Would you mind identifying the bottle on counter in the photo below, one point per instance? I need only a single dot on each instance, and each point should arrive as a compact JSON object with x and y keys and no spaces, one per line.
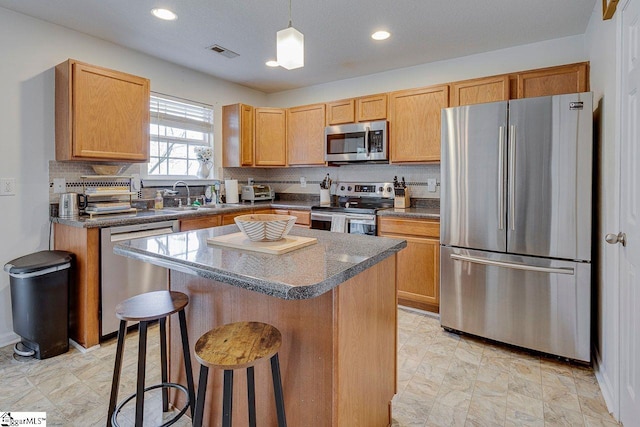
{"x":158,"y":201}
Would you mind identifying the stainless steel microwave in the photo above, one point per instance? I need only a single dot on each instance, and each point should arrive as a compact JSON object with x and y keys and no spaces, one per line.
{"x":358,"y":142}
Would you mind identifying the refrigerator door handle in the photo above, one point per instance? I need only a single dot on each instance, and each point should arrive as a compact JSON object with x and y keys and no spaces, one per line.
{"x":501,"y":178}
{"x":515,"y":266}
{"x":512,"y":177}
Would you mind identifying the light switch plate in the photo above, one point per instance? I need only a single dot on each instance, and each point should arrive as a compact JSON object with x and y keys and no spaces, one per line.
{"x":7,"y":187}
{"x":59,"y":185}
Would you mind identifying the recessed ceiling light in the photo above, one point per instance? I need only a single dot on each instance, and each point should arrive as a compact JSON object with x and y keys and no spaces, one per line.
{"x":165,"y":14}
{"x":380,"y":35}
{"x":271,"y":63}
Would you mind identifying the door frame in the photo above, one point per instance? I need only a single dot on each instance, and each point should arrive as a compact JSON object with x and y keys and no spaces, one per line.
{"x":608,"y":375}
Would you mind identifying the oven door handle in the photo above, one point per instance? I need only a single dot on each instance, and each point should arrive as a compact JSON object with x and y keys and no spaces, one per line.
{"x":320,"y":216}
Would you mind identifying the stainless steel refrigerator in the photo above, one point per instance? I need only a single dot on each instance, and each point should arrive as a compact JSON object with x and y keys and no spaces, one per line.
{"x":515,"y":222}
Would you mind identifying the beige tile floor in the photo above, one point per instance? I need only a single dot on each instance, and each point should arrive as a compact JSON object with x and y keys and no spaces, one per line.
{"x":443,"y":380}
{"x":448,"y":380}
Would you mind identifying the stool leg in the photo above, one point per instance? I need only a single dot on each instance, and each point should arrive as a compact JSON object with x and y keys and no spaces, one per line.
{"x":202,"y":393}
{"x":142,"y":359}
{"x":163,"y":363}
{"x":227,"y":398}
{"x":251,"y":396}
{"x":187,"y":360}
{"x":117,"y":369}
{"x":277,"y":390}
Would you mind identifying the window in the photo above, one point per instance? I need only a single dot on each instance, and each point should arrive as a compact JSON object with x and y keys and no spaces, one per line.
{"x":178,"y":127}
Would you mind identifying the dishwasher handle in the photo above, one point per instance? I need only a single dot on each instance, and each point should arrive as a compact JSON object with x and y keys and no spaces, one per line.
{"x":138,"y":234}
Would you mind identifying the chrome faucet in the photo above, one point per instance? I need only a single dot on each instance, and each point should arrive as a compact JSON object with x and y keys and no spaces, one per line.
{"x":187,"y":187}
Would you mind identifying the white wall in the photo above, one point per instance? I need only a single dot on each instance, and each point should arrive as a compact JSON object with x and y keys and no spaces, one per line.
{"x":601,"y":41}
{"x":29,"y":51}
{"x":537,"y":55}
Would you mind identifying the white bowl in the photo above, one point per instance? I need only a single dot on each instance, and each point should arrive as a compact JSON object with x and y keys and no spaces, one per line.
{"x":108,"y":169}
{"x":265,"y":227}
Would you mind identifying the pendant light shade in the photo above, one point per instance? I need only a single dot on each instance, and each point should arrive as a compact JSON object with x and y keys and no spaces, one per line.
{"x":290,"y":48}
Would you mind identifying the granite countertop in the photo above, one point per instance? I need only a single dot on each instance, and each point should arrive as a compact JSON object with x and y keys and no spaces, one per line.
{"x":147,"y":216}
{"x":301,"y":274}
{"x":151,"y":215}
{"x":417,"y":212}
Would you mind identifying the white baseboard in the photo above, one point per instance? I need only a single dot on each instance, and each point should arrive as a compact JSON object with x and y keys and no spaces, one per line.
{"x":606,"y":386}
{"x":9,"y":338}
{"x":82,"y":349}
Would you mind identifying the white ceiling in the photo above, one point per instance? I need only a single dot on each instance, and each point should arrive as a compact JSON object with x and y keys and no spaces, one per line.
{"x":336,"y":32}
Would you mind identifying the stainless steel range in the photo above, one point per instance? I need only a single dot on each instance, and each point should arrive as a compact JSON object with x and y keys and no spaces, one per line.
{"x":355,"y":209}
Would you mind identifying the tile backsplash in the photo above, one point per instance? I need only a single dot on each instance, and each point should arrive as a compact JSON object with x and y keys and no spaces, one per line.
{"x":282,"y":180}
{"x":287,"y":180}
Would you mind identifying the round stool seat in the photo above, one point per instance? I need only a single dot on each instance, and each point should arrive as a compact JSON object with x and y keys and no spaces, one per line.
{"x":151,"y":306}
{"x":237,"y":345}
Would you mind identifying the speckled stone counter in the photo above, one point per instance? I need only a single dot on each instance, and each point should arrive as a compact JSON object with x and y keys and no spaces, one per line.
{"x":300,"y":274}
{"x":334,"y":303}
{"x":147,"y":216}
{"x":425,"y":213}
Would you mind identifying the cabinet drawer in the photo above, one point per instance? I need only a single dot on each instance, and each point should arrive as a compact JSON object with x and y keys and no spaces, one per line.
{"x":413,"y":227}
{"x":198,"y":223}
{"x":304,"y":217}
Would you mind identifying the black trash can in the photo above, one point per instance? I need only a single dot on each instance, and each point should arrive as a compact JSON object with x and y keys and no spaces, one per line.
{"x":40,"y":302}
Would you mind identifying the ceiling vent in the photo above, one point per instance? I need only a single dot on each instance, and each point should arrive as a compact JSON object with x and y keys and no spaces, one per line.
{"x":223,"y":51}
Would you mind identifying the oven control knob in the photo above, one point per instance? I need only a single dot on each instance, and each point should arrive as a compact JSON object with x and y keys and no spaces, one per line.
{"x":380,"y":189}
{"x":342,"y":188}
{"x":389,"y":189}
{"x":349,"y":188}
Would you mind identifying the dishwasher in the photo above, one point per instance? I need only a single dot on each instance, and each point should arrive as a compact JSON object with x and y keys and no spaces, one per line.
{"x":122,"y":277}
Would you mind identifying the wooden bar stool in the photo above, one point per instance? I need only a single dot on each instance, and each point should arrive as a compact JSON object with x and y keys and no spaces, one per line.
{"x":236,"y":346}
{"x":145,"y":308}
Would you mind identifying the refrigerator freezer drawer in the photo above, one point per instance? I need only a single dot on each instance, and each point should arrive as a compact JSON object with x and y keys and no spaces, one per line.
{"x":535,"y":303}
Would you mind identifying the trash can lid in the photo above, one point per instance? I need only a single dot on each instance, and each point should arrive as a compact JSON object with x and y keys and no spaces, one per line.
{"x":38,"y":261}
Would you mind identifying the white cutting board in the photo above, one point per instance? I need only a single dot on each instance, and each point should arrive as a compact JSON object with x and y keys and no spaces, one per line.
{"x":241,"y":241}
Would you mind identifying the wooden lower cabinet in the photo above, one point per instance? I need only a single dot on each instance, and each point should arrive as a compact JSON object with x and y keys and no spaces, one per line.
{"x":418,"y":271}
{"x":303,"y":217}
{"x":228,"y":219}
{"x":84,"y":294}
{"x":201,"y":222}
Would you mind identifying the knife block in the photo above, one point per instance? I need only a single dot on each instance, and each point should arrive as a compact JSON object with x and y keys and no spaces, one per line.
{"x":401,"y":198}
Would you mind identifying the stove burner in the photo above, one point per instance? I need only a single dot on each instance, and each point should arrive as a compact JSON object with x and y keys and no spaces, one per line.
{"x":366,"y":198}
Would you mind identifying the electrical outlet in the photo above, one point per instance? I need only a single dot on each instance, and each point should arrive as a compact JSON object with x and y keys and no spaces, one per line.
{"x":7,"y":187}
{"x":303,"y":182}
{"x":59,"y":185}
{"x":431,"y":185}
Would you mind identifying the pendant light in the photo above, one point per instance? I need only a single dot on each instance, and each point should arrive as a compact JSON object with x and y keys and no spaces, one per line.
{"x":290,"y":46}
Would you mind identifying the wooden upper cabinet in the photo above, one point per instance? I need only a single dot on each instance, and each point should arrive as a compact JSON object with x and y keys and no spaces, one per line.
{"x":414,"y":124}
{"x":305,"y":135}
{"x":478,"y":91}
{"x":237,"y":135}
{"x":270,"y":137}
{"x":370,"y":108}
{"x":553,"y":81}
{"x":101,"y":114}
{"x":341,"y":112}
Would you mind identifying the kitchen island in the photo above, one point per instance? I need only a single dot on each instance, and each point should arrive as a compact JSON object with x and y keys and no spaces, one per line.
{"x":334,"y":303}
